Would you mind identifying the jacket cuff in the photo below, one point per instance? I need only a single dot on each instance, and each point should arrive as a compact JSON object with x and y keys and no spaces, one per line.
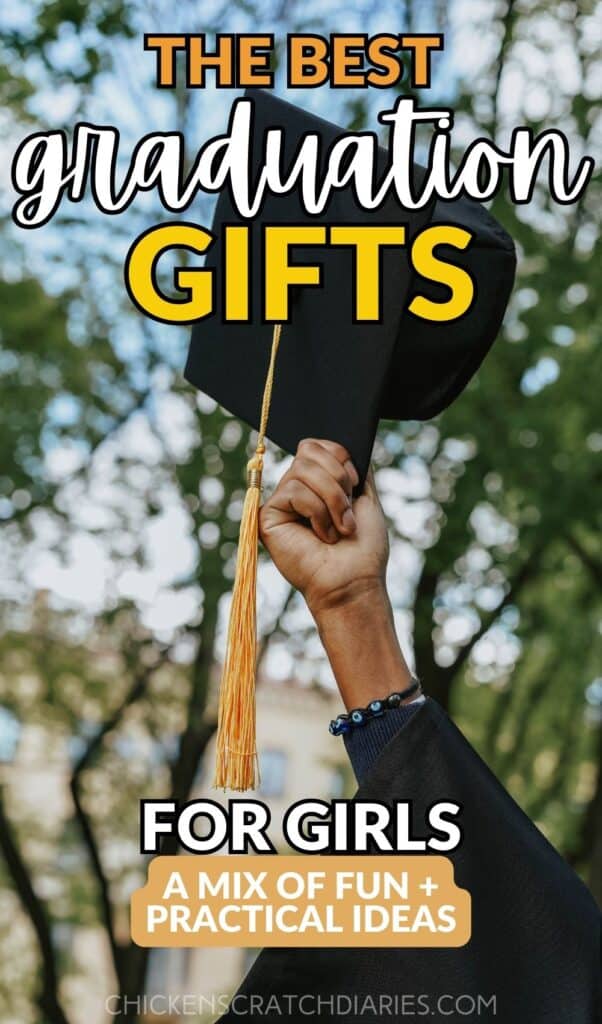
{"x":365,"y":743}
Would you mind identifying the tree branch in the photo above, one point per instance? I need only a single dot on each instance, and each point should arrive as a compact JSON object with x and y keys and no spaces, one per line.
{"x":444,"y":677}
{"x":532,"y":701}
{"x":136,"y":691}
{"x":265,"y":640}
{"x":568,"y":731}
{"x":593,"y":566}
{"x":508,"y":22}
{"x":34,"y":908}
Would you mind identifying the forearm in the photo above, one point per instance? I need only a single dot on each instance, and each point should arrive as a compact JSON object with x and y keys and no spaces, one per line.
{"x":361,"y":643}
{"x":340,"y":567}
{"x":359,"y":638}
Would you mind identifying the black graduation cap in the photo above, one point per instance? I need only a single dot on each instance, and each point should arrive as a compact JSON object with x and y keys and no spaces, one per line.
{"x":335,"y":378}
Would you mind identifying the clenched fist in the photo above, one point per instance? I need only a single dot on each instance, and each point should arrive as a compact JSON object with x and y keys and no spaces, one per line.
{"x":328,"y":546}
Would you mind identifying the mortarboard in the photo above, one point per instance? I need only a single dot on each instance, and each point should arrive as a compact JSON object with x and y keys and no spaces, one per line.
{"x":334,"y":377}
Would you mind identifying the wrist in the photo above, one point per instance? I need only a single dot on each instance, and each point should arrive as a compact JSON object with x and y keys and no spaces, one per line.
{"x":360,"y":597}
{"x":359,"y":637}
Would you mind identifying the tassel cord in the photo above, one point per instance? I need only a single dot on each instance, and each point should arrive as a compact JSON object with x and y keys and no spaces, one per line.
{"x":236,"y":759}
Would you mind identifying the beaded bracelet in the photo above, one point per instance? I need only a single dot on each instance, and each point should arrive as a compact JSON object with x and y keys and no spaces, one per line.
{"x":360,"y":716}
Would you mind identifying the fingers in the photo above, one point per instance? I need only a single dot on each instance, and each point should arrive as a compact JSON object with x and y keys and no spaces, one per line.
{"x":329,"y":452}
{"x":329,"y":490}
{"x":297,"y":500}
{"x":317,"y":487}
{"x":326,"y":468}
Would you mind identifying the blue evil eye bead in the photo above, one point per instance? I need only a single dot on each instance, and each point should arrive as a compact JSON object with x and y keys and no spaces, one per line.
{"x":358,"y":717}
{"x":338,"y":726}
{"x":393,"y":700}
{"x":376,"y":707}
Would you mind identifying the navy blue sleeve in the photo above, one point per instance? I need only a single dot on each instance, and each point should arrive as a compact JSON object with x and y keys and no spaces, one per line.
{"x":365,"y":743}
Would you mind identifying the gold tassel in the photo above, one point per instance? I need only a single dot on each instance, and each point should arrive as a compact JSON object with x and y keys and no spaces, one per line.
{"x":236,"y":760}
